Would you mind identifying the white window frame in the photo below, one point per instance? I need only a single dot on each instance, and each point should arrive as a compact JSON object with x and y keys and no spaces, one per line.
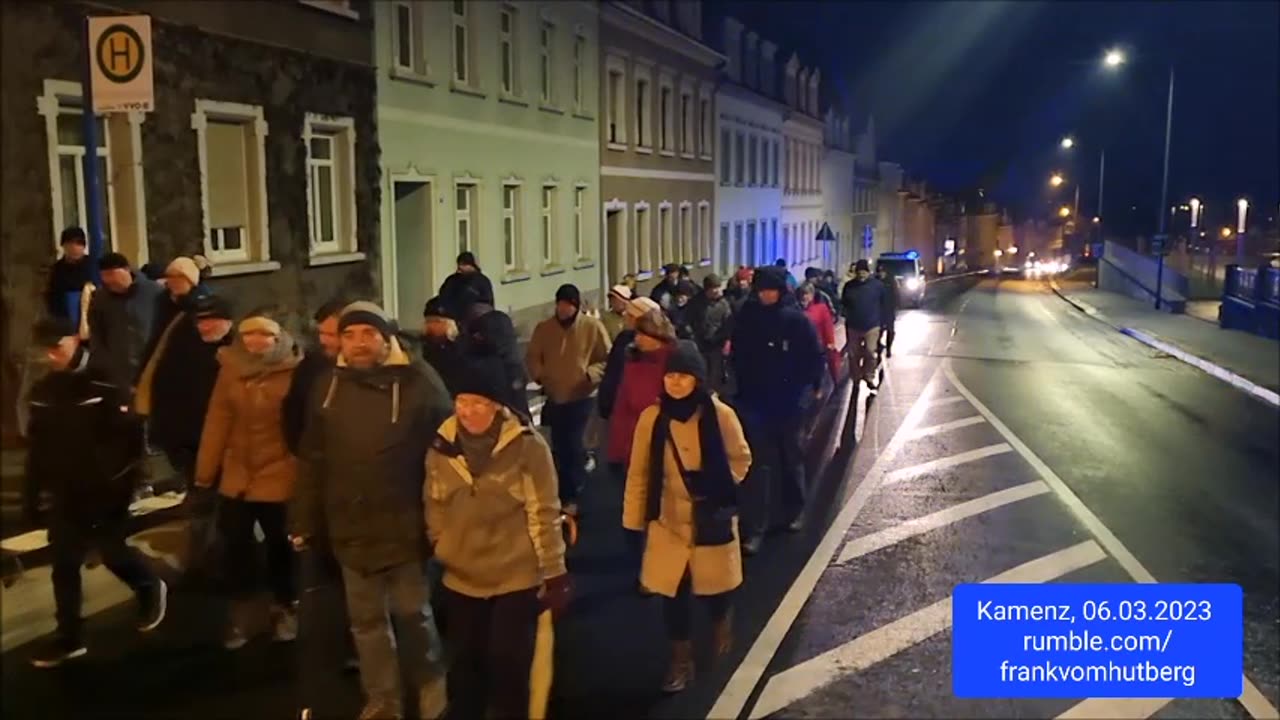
{"x":547,"y":62}
{"x":704,"y":233}
{"x":688,"y":113}
{"x":615,"y":103}
{"x":777,"y":157}
{"x":707,"y":120}
{"x":470,"y":214}
{"x":579,"y":230}
{"x":725,"y":249}
{"x":342,"y":131}
{"x":511,"y":215}
{"x":255,"y":249}
{"x":666,"y":118}
{"x":642,"y":257}
{"x":666,"y":239}
{"x":341,"y":8}
{"x":463,"y":74}
{"x":550,"y":247}
{"x":739,"y":240}
{"x":685,"y":240}
{"x":643,"y":72}
{"x":753,"y":160}
{"x":419,"y":68}
{"x":580,"y":50}
{"x":509,"y":68}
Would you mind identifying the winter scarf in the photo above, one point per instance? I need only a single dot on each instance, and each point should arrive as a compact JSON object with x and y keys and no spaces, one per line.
{"x":712,"y":488}
{"x":478,"y":449}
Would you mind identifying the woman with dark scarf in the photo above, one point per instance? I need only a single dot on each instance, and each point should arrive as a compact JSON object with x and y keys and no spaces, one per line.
{"x":687,"y":459}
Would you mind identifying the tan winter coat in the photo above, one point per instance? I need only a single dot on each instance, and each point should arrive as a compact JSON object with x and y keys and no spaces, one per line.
{"x":244,"y":427}
{"x":669,"y":550}
{"x":568,"y":362}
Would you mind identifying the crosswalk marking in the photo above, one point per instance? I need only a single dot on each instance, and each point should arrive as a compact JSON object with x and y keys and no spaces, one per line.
{"x":950,"y":461}
{"x":1115,"y":708}
{"x":888,"y":640}
{"x":918,"y":526}
{"x":944,"y":427}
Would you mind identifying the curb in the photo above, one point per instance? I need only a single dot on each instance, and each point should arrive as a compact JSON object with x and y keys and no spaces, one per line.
{"x":1080,"y":305}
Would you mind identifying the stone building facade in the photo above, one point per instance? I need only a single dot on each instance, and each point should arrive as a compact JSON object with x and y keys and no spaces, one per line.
{"x":261,"y":152}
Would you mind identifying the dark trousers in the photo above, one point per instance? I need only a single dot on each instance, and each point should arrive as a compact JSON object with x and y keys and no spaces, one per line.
{"x":499,"y":665}
{"x":716,"y":377}
{"x":70,"y":540}
{"x":324,"y":639}
{"x":183,"y":462}
{"x":886,"y":334}
{"x":236,"y":519}
{"x":677,"y":612}
{"x":568,"y":423}
{"x":774,"y":492}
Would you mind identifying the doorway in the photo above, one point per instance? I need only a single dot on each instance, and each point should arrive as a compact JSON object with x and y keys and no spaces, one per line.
{"x":412,"y":234}
{"x":615,"y":241}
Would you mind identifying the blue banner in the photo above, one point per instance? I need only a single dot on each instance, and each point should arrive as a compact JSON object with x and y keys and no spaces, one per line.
{"x":1062,"y":640}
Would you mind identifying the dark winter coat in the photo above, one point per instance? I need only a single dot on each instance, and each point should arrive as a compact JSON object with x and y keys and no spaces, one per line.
{"x":84,"y":450}
{"x":711,"y":321}
{"x":889,"y":301}
{"x":448,"y":359}
{"x":461,"y":290}
{"x":490,"y":333}
{"x":664,"y":293}
{"x":315,"y":364}
{"x":608,"y":392}
{"x":177,"y":381}
{"x":362,"y":462}
{"x":862,"y":302}
{"x":737,"y":297}
{"x":66,"y":277}
{"x":120,"y":326}
{"x":679,"y":317}
{"x":776,"y":357}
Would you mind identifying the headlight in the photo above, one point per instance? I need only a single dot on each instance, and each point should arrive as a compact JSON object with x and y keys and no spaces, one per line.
{"x":913,"y":283}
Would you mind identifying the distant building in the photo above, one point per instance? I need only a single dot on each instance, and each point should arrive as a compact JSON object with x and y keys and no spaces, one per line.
{"x":838,"y":192}
{"x":866,"y":193}
{"x":802,"y":206}
{"x":890,"y":209}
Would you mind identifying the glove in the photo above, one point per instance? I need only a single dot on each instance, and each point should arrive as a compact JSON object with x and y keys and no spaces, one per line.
{"x":556,"y":594}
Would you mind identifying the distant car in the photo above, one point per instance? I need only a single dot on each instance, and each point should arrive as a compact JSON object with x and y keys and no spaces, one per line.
{"x":905,"y":269}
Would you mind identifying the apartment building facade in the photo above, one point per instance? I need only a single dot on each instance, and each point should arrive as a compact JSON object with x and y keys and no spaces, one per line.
{"x":656,"y":139}
{"x":749,"y":119}
{"x":866,"y":192}
{"x":260,"y":153}
{"x":488,"y":117}
{"x":837,"y":191}
{"x":802,"y":131}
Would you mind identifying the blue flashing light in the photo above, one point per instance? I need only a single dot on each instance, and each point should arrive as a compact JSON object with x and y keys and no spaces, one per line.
{"x":912,"y":254}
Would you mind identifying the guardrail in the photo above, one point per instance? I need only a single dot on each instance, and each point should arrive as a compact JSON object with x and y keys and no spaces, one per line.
{"x":1251,"y":300}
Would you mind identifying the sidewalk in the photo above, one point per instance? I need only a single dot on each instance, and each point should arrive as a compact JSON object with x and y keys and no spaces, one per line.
{"x":1247,"y":361}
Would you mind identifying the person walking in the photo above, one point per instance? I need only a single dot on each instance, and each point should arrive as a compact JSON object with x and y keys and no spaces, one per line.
{"x":888,"y":309}
{"x":243,"y":450}
{"x":862,"y":298}
{"x":710,"y":318}
{"x":824,"y":324}
{"x":688,"y":456}
{"x":678,"y":313}
{"x":618,"y":354}
{"x":614,"y":318}
{"x":70,"y":278}
{"x":454,"y":293}
{"x":84,"y":451}
{"x":120,"y":318}
{"x":494,"y":520}
{"x":664,"y":293}
{"x":490,"y":333}
{"x":360,"y":480}
{"x":778,"y":363}
{"x":442,"y":346}
{"x":567,"y":356}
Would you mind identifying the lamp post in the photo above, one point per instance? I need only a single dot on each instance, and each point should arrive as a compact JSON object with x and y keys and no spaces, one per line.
{"x":1069,"y":143}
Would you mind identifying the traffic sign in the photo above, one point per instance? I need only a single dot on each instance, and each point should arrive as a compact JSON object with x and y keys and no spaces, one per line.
{"x":868,"y":236}
{"x":120,"y":65}
{"x":825,"y":234}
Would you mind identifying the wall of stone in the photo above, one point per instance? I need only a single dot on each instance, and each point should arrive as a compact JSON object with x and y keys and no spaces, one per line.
{"x":41,"y":41}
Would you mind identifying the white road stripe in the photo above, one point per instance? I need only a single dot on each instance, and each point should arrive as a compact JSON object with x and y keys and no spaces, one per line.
{"x":918,"y":526}
{"x":1257,"y":705}
{"x":738,"y":690}
{"x":944,"y":427}
{"x":1115,"y":709}
{"x":888,"y":640}
{"x":947,"y":400}
{"x":950,"y":461}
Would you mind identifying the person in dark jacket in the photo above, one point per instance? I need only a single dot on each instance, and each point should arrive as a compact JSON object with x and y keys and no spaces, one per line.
{"x":442,"y":346}
{"x":360,"y":477}
{"x":664,"y":293}
{"x":68,"y":277}
{"x":120,"y":319}
{"x":862,"y":298}
{"x":779,"y":364}
{"x":678,"y":313}
{"x":77,"y":407}
{"x":711,"y":319}
{"x":888,"y":309}
{"x":182,"y":286}
{"x":453,"y":291}
{"x":490,"y":333}
{"x":607,"y":395}
{"x":739,"y":289}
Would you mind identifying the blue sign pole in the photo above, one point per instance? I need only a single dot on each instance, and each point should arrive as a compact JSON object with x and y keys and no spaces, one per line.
{"x":93,"y":209}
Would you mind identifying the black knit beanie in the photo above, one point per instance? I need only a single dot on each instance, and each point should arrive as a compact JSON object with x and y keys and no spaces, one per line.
{"x":569,"y":293}
{"x":769,"y":278}
{"x":687,"y":359}
{"x":486,"y":377}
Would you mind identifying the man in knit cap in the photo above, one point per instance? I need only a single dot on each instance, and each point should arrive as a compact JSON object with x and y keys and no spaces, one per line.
{"x":567,"y":356}
{"x":443,"y":345}
{"x":360,"y":481}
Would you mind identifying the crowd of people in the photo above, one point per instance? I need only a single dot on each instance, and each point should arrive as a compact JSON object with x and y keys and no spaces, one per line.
{"x":403,"y":469}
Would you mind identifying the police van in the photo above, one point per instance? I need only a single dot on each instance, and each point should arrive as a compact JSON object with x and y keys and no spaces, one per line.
{"x":905,"y":268}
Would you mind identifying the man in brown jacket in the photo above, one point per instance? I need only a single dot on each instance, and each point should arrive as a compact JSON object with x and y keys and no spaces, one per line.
{"x":567,"y":355}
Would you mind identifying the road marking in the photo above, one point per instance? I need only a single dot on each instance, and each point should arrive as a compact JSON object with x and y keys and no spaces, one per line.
{"x":1257,"y":705}
{"x":945,"y":401}
{"x":868,"y":544}
{"x":738,"y":690}
{"x":944,"y":427}
{"x":946,"y":462}
{"x":888,"y":640}
{"x":1115,"y":708}
{"x":1223,"y":374}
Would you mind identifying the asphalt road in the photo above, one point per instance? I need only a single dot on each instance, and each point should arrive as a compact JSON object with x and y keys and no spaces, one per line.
{"x":1004,"y":389}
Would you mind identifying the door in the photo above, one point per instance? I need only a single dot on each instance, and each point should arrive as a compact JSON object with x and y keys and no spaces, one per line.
{"x":615,"y":238}
{"x":415,"y":281}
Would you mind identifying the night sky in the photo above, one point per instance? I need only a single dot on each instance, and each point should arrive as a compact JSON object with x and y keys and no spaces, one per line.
{"x":978,"y":94}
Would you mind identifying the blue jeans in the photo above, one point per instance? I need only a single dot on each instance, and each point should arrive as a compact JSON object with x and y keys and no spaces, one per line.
{"x":568,"y":423}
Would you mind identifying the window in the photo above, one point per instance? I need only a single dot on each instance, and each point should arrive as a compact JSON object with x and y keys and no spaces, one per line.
{"x":579,"y":82}
{"x":665,"y":139}
{"x":775,"y":163}
{"x":579,"y":241}
{"x":464,"y":214}
{"x":616,"y":107}
{"x":461,"y":44}
{"x":664,"y":226}
{"x":726,"y":164}
{"x":231,"y":146}
{"x":704,"y":232}
{"x":644,"y":109}
{"x":65,"y":125}
{"x":686,"y":234}
{"x":644,"y":239}
{"x":764,"y":162}
{"x":406,"y":51}
{"x":507,"y":49}
{"x":740,"y":161}
{"x":754,"y":177}
{"x":726,"y":261}
{"x":786,"y":242}
{"x":549,"y":254}
{"x":753,"y":248}
{"x":704,"y":126}
{"x":743,"y":256}
{"x":337,"y":7}
{"x":686,"y":124}
{"x":547,"y":62}
{"x":778,"y":249}
{"x":331,"y":183}
{"x":510,"y":227}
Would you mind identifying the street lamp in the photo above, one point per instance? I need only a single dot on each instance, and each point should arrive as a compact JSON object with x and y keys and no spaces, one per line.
{"x":1064,"y":212}
{"x":1226,"y":233}
{"x":1195,"y":212}
{"x":1242,"y":210}
{"x":1114,"y":58}
{"x":1068,"y":142}
{"x":1056,"y":180}
{"x":1096,"y":219}
{"x":998,"y":252}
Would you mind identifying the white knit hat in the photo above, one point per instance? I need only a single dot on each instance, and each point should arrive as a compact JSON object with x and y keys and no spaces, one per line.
{"x":641,"y":305}
{"x":622,"y":292}
{"x":186,"y":267}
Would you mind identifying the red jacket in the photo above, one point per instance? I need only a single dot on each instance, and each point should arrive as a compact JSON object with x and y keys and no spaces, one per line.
{"x":825,"y":325}
{"x":640,"y":387}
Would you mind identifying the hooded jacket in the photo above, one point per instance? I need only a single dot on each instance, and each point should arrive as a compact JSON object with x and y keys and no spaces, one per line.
{"x":496,"y":530}
{"x":361,"y":460}
{"x":711,"y":321}
{"x":777,"y":358}
{"x":568,"y":360}
{"x":121,"y":326}
{"x":244,"y":433}
{"x":862,"y":304}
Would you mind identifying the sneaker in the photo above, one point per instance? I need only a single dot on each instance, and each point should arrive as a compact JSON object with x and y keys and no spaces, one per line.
{"x":286,"y":629}
{"x":152,"y":606}
{"x":59,"y":652}
{"x":236,"y":638}
{"x":590,"y":464}
{"x":751,"y":545}
{"x":796,"y":525}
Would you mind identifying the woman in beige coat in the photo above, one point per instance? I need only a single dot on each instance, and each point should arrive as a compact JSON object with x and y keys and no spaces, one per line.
{"x":687,"y":458}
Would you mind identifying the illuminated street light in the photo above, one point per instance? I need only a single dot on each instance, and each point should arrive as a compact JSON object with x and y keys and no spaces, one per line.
{"x":1096,"y":219}
{"x":1114,"y":58}
{"x":1013,"y":250}
{"x":1226,"y":232}
{"x":1068,"y":142}
{"x":1195,"y":211}
{"x":1064,"y":211}
{"x":998,"y":253}
{"x":1242,"y":210}
{"x":1056,"y":180}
